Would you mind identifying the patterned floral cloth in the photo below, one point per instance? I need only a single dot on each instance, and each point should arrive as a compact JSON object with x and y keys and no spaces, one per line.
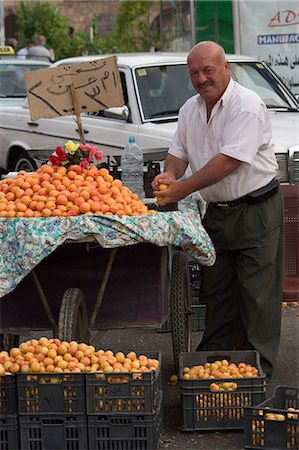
{"x":26,"y":242}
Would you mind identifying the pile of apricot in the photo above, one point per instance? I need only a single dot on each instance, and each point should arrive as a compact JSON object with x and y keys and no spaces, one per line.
{"x":45,"y":355}
{"x":221,"y":369}
{"x":61,"y":191}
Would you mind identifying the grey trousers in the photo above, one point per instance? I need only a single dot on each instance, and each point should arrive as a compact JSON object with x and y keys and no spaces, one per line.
{"x":243,"y":289}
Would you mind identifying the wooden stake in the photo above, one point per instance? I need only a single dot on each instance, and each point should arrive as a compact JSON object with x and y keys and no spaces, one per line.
{"x":77,"y":113}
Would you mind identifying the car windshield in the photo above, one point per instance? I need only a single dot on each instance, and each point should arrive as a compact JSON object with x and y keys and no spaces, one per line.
{"x":163,"y":89}
{"x":255,"y":76}
{"x":12,"y":83}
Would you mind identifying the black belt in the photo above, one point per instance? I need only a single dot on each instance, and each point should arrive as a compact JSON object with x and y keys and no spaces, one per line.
{"x":257,"y":196}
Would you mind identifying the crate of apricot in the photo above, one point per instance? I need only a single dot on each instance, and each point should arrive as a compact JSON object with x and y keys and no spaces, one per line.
{"x":128,"y":383}
{"x":217,"y":386}
{"x":68,"y":185}
{"x":274,"y":423}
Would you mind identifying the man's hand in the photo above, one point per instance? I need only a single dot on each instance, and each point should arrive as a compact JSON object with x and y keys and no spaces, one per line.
{"x":173,"y":193}
{"x":162,"y":178}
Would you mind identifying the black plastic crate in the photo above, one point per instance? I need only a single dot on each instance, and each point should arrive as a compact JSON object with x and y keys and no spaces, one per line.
{"x":263,"y":432}
{"x":198,"y":309}
{"x":8,"y":395}
{"x":195,"y":279}
{"x":48,"y":432}
{"x":197,"y":319}
{"x":139,"y":393}
{"x":53,"y":393}
{"x":203,"y":409}
{"x":125,"y":431}
{"x":9,"y":433}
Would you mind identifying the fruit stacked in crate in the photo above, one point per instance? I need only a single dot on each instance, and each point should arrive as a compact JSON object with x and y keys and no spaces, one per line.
{"x":124,"y":408}
{"x":9,"y":430}
{"x":216,"y":386}
{"x":274,"y":423}
{"x":70,"y":395}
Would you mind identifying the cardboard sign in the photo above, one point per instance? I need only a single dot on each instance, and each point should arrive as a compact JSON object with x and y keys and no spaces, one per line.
{"x":95,"y":84}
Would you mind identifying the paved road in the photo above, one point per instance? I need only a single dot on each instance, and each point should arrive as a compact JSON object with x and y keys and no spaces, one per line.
{"x":285,"y":373}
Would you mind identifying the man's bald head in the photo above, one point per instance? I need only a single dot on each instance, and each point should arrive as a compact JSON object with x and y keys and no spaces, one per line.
{"x":209,"y":71}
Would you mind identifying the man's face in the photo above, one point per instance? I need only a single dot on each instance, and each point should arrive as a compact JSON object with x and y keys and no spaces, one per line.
{"x":209,"y":74}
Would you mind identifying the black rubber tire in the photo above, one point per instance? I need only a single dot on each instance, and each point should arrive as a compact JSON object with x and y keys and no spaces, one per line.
{"x":180,"y":306}
{"x":73,"y":318}
{"x":24,"y":162}
{"x":8,"y":341}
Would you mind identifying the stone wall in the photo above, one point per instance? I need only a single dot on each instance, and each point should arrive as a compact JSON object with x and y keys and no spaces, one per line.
{"x":79,"y":12}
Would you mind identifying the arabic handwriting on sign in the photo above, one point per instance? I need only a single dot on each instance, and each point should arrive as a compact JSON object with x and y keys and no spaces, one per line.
{"x":94,"y":95}
{"x":46,"y":102}
{"x":103,"y":78}
{"x":92,"y":86}
{"x":96,"y":65}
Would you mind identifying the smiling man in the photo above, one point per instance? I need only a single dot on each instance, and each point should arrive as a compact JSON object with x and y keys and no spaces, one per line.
{"x":224,"y":135}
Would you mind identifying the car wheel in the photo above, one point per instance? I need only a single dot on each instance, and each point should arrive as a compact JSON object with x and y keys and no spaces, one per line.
{"x":24,"y":162}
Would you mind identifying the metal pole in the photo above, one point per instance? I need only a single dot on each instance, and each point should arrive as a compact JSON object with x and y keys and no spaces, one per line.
{"x":161,"y":25}
{"x":236,"y":26}
{"x":216,"y":21}
{"x":192,"y":22}
{"x":2,"y":23}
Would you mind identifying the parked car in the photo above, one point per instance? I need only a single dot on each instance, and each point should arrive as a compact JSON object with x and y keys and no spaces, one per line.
{"x":155,"y":85}
{"x":12,"y":84}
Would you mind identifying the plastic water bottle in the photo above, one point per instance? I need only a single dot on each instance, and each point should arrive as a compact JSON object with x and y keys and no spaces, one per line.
{"x":132,"y":167}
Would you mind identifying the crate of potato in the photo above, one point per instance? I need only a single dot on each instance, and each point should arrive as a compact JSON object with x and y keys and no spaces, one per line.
{"x":274,"y":423}
{"x":216,"y":387}
{"x":128,"y":383}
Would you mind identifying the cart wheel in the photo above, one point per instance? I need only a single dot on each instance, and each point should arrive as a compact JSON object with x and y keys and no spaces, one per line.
{"x":180,"y":306}
{"x":8,"y":341}
{"x":73,"y":320}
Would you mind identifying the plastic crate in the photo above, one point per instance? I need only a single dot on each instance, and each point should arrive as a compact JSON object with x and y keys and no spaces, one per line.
{"x":140,"y":393}
{"x":48,"y":432}
{"x":197,"y":318}
{"x":56,"y":393}
{"x":8,"y":396}
{"x":9,"y":433}
{"x":125,"y":431}
{"x":203,"y":409}
{"x":263,"y":433}
{"x":195,"y":280}
{"x":198,"y":310}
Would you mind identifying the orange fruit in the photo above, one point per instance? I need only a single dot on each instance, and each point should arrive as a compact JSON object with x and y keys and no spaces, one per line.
{"x":62,"y":170}
{"x":61,"y":199}
{"x":84,"y":207}
{"x":46,"y":168}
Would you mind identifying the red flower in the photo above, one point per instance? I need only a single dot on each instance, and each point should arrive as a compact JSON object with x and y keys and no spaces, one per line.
{"x":54,"y":160}
{"x":60,"y":154}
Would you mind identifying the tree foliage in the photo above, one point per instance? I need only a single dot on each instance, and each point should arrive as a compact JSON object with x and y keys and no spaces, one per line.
{"x":38,"y":17}
{"x":131,"y":32}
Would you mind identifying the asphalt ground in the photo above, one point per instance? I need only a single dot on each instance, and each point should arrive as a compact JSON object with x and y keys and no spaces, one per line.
{"x":144,"y":340}
{"x":286,"y":373}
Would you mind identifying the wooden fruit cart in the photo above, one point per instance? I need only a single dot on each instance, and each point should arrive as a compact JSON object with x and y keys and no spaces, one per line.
{"x":82,"y":287}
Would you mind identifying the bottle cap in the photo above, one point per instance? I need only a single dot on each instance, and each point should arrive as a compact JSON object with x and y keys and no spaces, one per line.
{"x":132,"y":139}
